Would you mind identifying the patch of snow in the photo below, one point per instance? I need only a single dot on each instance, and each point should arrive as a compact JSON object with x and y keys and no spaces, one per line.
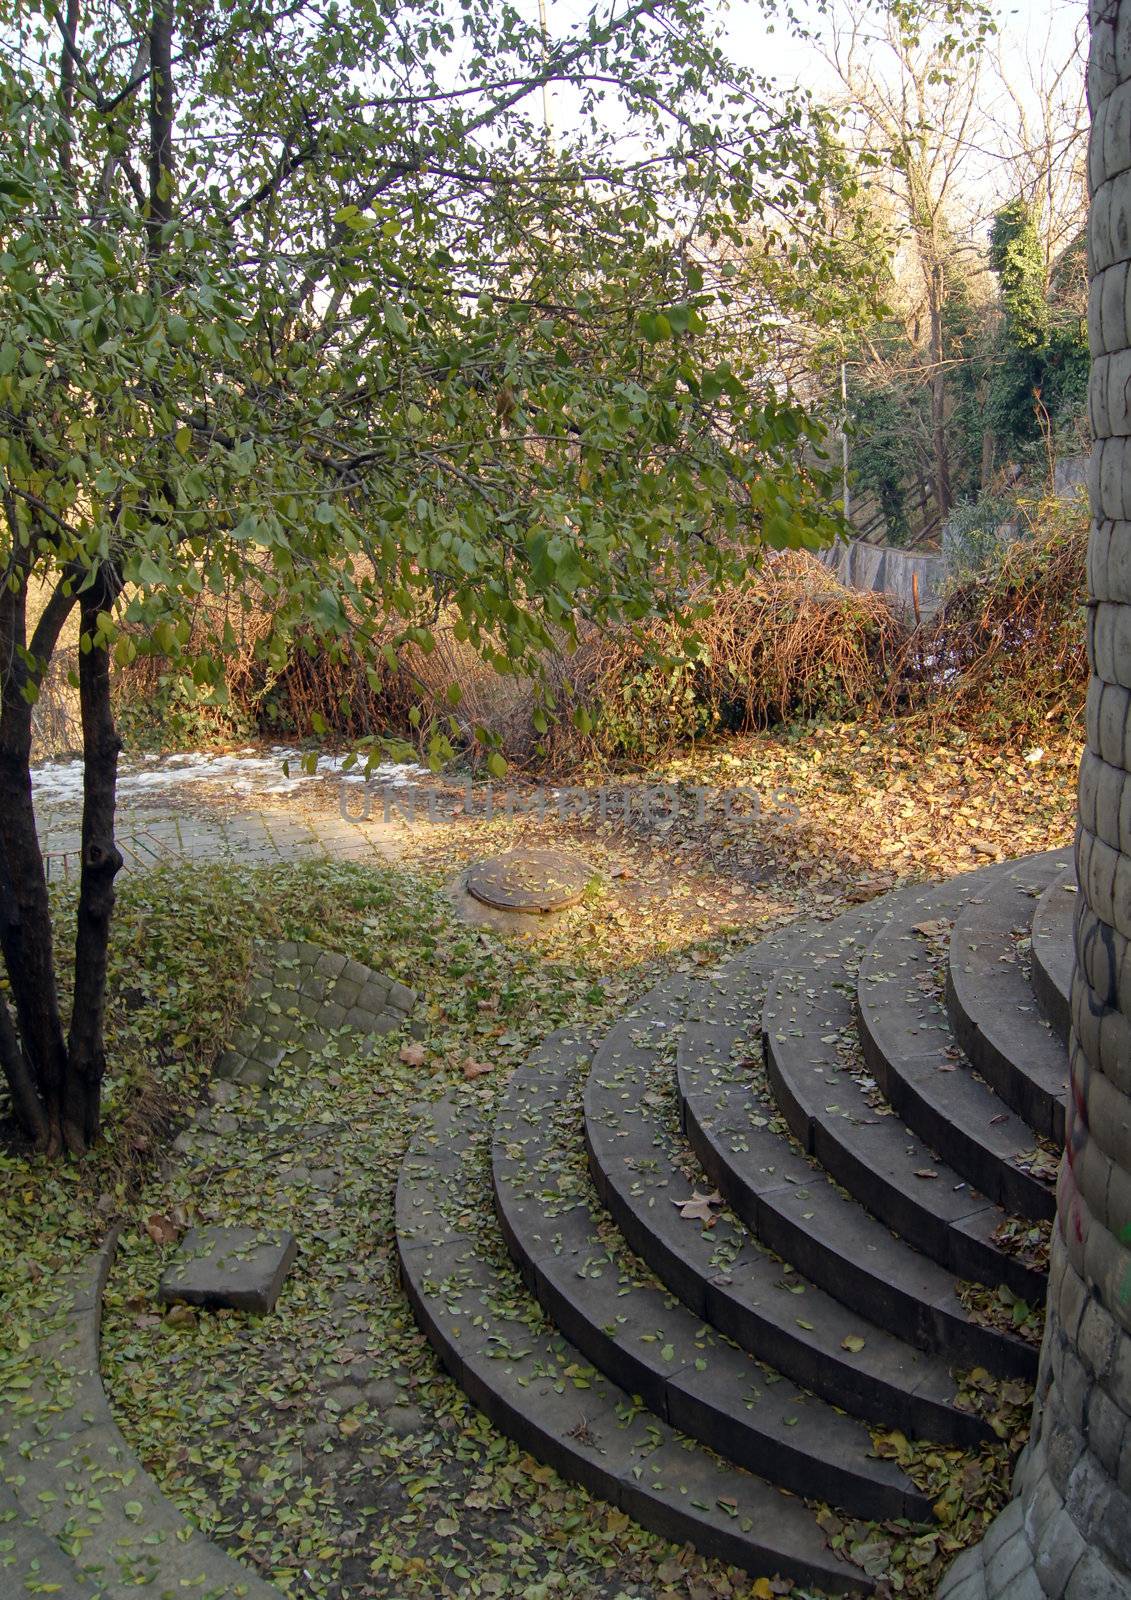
{"x":246,"y":772}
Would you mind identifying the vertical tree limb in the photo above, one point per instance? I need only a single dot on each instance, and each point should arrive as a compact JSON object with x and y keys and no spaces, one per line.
{"x":67,"y":56}
{"x":25,"y":915}
{"x":161,"y":115}
{"x":101,"y":862}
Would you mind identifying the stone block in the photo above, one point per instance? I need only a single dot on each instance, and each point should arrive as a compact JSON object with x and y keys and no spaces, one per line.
{"x":1012,"y":1558}
{"x":1099,"y":412}
{"x":238,"y":1267}
{"x":346,"y":992}
{"x":401,"y":997}
{"x":1073,"y":1386}
{"x":1004,"y":1527}
{"x":1058,"y":1553}
{"x":1114,"y":132}
{"x":330,"y":965}
{"x":1024,"y":1586}
{"x":1102,"y":77}
{"x":1063,"y":1445}
{"x":1094,"y":1579}
{"x":1087,"y":1494}
{"x":1123,"y":1476}
{"x":1111,"y":1528}
{"x":1118,"y":563}
{"x":1099,"y":228}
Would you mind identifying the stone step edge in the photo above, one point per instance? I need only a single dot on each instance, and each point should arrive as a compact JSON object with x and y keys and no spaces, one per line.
{"x":803,"y":1356}
{"x":159,"y":1548}
{"x":889,"y":1188}
{"x":956,"y":1336}
{"x":783,"y":1538}
{"x":837,"y":1466}
{"x":954,"y":1113}
{"x":1051,"y":981}
{"x":1027,"y":1065}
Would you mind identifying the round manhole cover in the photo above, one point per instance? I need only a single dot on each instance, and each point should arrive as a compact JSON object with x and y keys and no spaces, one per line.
{"x":529,"y":880}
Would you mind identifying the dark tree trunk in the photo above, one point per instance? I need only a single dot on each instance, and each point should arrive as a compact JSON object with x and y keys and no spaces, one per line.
{"x":25,"y":917}
{"x":101,"y":862}
{"x":943,"y":498}
{"x":161,"y":114}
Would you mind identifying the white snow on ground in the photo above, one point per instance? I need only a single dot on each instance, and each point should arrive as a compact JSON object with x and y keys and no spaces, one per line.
{"x":246,"y":772}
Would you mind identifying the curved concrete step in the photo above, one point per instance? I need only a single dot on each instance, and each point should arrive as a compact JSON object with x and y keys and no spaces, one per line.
{"x":1053,"y":952}
{"x":540,"y":1390}
{"x":991,"y":1003}
{"x":65,"y":1466}
{"x":31,"y":1562}
{"x":834,"y":1108}
{"x":642,"y":1338}
{"x":798,"y":1211}
{"x":914,"y":1058}
{"x":718,"y":1270}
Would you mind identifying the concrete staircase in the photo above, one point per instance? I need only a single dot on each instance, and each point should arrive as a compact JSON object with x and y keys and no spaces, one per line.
{"x":878,"y":1103}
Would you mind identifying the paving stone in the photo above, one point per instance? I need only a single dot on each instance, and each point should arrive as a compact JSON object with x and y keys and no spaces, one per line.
{"x":347,"y":992}
{"x":401,"y":996}
{"x":229,"y":1266}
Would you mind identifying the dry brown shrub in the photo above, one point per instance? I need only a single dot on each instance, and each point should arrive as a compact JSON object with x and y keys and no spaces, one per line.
{"x":792,"y":643}
{"x":1007,"y":649}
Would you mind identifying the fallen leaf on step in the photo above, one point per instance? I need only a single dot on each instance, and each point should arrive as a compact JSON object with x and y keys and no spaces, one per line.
{"x":162,"y":1230}
{"x":925,"y":1172}
{"x":698,"y":1208}
{"x":412,"y":1053}
{"x":475,"y":1069}
{"x":853,"y":1342}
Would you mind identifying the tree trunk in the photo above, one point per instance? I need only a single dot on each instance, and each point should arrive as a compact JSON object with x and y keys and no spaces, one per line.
{"x":101,"y":862}
{"x":943,"y":497}
{"x":1070,"y":1536}
{"x":161,"y":114}
{"x":25,"y":917}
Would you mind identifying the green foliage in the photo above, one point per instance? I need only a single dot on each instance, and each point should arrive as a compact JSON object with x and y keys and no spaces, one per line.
{"x":367,"y":347}
{"x":1039,"y":381}
{"x":971,"y":541}
{"x":1017,"y":257}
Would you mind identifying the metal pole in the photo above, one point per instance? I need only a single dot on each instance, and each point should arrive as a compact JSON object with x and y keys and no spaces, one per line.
{"x":545,"y":57}
{"x":844,"y":437}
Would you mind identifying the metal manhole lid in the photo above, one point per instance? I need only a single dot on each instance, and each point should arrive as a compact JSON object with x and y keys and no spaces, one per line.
{"x":529,"y":880}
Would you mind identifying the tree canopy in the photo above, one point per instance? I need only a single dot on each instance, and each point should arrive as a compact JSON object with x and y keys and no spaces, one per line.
{"x":306,"y":309}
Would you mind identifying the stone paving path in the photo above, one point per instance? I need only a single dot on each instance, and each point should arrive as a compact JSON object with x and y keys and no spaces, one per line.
{"x":252,"y":806}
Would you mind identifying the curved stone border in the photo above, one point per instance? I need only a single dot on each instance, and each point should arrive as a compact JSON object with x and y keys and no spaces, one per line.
{"x":79,"y":1514}
{"x":83,"y":1516}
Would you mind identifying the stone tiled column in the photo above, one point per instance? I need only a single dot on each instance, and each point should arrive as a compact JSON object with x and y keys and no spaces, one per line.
{"x":1068,"y":1532}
